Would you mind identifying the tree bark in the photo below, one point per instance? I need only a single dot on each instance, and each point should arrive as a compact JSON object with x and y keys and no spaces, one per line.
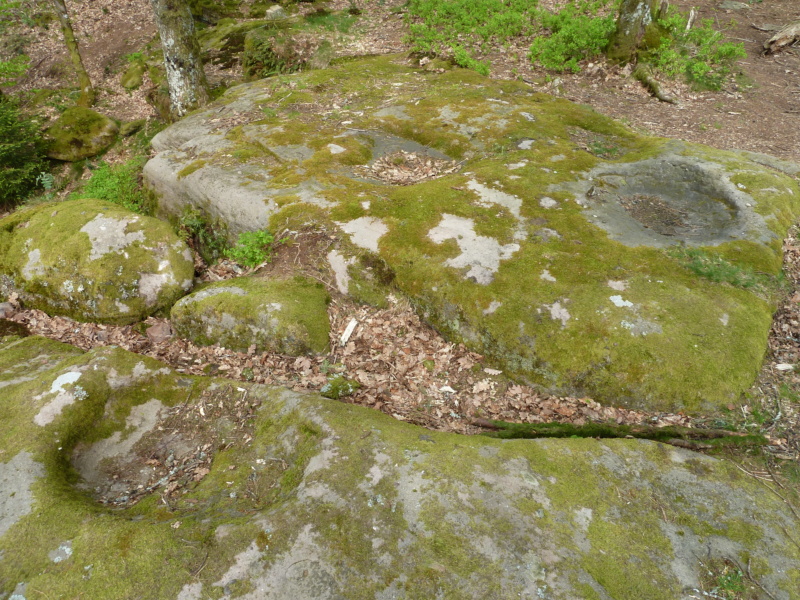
{"x":188,"y":88}
{"x":635,"y":16}
{"x":87,"y":90}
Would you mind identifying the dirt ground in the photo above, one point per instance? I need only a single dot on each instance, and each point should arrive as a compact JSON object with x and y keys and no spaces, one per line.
{"x":404,"y":367}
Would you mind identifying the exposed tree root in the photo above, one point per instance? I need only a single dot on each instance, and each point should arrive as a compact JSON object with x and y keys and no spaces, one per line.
{"x":643,"y":75}
{"x":786,"y":37}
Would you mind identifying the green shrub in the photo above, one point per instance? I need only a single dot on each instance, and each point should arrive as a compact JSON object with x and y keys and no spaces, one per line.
{"x":699,"y":53}
{"x":21,"y":155}
{"x":576,"y":33}
{"x":118,"y":184}
{"x":11,"y":69}
{"x":272,"y":51}
{"x":458,"y":27}
{"x":252,"y":248}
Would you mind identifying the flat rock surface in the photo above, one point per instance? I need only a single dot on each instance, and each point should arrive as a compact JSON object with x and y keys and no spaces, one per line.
{"x":546,"y":236}
{"x":192,"y":487}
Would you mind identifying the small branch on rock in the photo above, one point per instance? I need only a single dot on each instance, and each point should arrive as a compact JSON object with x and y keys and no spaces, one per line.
{"x":682,"y":437}
{"x":644,"y":75}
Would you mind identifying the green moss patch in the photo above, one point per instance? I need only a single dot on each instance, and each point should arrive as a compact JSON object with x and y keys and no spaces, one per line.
{"x":286,"y":316}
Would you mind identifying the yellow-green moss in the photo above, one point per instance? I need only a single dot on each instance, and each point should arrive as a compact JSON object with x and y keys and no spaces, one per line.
{"x":287,"y":316}
{"x":192,"y":167}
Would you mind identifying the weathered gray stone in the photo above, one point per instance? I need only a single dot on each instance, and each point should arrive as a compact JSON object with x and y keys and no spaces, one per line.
{"x":310,"y":498}
{"x":93,"y":261}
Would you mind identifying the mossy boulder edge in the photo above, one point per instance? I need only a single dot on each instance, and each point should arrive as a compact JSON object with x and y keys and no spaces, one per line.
{"x":92,"y":260}
{"x":532,"y":229}
{"x":288,"y":316}
{"x":371,"y":507}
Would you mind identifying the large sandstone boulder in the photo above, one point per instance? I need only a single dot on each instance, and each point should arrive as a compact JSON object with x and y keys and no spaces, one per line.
{"x":119,"y":476}
{"x":579,"y":255}
{"x":286,"y":316}
{"x":93,"y":261}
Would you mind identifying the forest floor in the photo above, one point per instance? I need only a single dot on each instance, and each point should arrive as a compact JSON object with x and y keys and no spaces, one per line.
{"x":405,"y":368}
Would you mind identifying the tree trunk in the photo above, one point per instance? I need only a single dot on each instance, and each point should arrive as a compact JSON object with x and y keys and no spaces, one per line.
{"x":87,"y":90}
{"x":186,"y":79}
{"x":786,"y":37}
{"x":635,"y":17}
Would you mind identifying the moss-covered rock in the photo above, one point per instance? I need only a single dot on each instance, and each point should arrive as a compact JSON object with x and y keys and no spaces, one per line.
{"x":133,"y":77}
{"x":338,"y":386}
{"x":286,"y":316}
{"x":532,"y":229}
{"x":80,"y":133}
{"x":119,"y":475}
{"x":93,"y":261}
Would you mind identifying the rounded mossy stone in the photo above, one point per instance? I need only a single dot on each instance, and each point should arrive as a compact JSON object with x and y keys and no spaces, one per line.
{"x":338,"y":386}
{"x":133,"y":77}
{"x":285,"y":316}
{"x":80,"y":133}
{"x":92,"y":260}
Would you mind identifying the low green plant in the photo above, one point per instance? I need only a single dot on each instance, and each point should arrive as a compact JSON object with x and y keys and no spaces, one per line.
{"x":49,"y":185}
{"x":269,"y":51}
{"x":116,"y":183}
{"x":463,"y":59}
{"x":724,"y":580}
{"x":209,"y":241}
{"x":332,"y":21}
{"x":717,"y":269}
{"x":699,"y":53}
{"x":252,"y":248}
{"x":460,"y":27}
{"x":12,"y":69}
{"x":577,"y":32}
{"x":21,"y":154}
{"x":135,"y":57}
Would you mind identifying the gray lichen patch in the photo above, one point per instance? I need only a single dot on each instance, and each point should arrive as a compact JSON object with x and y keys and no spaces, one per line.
{"x":59,"y":398}
{"x":480,"y":255}
{"x":108,"y":234}
{"x":489,"y":196}
{"x":17,"y":478}
{"x":365,"y":232}
{"x":339,"y":265}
